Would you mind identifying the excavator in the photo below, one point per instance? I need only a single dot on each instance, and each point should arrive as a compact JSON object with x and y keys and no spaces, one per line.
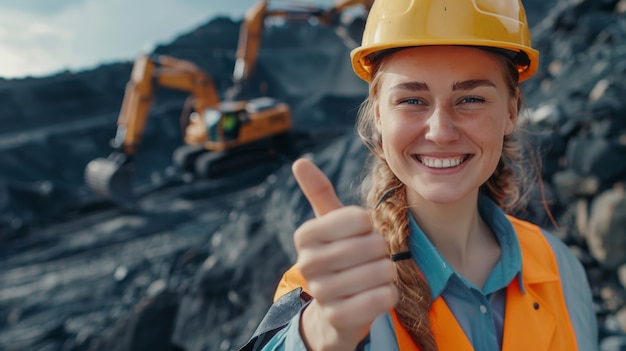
{"x":225,"y":128}
{"x":221,"y":137}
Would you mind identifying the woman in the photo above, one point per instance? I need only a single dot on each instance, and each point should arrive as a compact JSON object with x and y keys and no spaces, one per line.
{"x":434,"y":263}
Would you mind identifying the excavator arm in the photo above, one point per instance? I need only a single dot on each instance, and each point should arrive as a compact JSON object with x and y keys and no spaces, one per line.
{"x":113,"y":177}
{"x":154,"y":71}
{"x":251,"y":32}
{"x":249,"y":41}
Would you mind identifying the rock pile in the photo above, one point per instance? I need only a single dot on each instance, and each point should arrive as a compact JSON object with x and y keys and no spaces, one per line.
{"x":195,"y":269}
{"x":577,"y":114}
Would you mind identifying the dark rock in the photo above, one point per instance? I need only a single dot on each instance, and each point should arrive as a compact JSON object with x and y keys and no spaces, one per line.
{"x":148,"y":328}
{"x":607,"y":228}
{"x":613,"y":343}
{"x":195,"y":265}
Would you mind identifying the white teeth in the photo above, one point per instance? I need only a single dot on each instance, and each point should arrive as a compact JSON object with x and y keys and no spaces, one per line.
{"x":441,"y":162}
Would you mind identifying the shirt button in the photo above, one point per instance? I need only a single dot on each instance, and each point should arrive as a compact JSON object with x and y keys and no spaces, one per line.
{"x":482,"y":309}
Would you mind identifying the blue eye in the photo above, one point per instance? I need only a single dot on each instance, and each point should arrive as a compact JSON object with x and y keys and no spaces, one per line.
{"x":472,"y":100}
{"x":412,"y":102}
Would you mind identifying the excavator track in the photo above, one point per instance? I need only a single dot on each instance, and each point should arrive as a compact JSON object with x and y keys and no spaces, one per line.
{"x":232,"y":162}
{"x":184,"y":157}
{"x":214,"y":165}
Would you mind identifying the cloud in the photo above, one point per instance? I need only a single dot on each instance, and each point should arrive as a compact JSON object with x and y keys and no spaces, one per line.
{"x":37,"y":38}
{"x":37,"y":6}
{"x":90,"y":32}
{"x":18,"y":32}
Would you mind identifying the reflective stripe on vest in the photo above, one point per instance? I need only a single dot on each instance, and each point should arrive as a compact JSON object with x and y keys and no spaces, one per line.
{"x":536,"y":320}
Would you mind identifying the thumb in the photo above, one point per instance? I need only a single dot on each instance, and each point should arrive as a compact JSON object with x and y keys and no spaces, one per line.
{"x":316,"y":187}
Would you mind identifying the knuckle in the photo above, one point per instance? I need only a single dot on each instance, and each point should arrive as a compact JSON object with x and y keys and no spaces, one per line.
{"x":371,"y":247}
{"x":384,"y":271}
{"x":389,"y":270}
{"x":379,"y":300}
{"x":315,"y":290}
{"x":388,"y":296}
{"x":302,"y":234}
{"x":360,"y":214}
{"x":306,"y":265}
{"x":378,"y":245}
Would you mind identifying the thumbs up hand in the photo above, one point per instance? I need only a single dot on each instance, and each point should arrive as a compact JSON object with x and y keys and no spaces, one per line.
{"x":345,"y":263}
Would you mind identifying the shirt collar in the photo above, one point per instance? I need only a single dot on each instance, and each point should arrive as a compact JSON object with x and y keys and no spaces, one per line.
{"x":438,"y":271}
{"x":510,"y":264}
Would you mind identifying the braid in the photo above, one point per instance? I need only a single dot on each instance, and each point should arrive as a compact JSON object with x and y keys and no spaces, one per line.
{"x":386,"y":195}
{"x":392,"y":221}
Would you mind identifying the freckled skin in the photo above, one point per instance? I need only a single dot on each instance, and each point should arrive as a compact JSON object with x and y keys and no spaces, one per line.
{"x":443,"y":102}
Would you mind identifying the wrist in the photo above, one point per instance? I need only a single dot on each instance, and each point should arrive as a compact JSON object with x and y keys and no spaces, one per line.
{"x":317,"y":335}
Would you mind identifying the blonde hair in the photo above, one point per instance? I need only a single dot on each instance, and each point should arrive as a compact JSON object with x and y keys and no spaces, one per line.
{"x":385,"y":194}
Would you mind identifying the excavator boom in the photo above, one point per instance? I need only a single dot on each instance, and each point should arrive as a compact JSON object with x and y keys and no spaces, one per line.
{"x":113,"y":177}
{"x":154,"y":71}
{"x":251,"y":32}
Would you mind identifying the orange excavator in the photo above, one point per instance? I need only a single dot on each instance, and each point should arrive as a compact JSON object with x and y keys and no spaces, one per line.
{"x":224,"y":128}
{"x":221,"y":136}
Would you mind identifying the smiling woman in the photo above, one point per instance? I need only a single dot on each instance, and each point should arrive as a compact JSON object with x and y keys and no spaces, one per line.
{"x":433,"y":260}
{"x":428,"y":91}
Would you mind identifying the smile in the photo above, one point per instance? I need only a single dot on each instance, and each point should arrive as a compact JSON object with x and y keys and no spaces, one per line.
{"x":445,"y":162}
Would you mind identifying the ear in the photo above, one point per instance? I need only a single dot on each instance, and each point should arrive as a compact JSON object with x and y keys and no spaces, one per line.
{"x":513,"y":113}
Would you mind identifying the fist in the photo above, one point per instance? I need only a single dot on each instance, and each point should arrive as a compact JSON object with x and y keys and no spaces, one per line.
{"x":345,"y":263}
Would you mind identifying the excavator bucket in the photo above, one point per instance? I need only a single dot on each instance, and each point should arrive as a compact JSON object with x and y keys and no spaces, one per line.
{"x":112,"y":178}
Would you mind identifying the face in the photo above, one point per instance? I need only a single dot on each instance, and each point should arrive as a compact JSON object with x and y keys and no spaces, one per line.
{"x":442,"y":113}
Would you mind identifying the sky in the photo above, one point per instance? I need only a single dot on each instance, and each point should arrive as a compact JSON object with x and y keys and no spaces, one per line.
{"x":44,"y":37}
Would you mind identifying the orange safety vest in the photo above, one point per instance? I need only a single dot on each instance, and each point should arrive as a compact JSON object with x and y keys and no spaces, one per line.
{"x":536,"y":320}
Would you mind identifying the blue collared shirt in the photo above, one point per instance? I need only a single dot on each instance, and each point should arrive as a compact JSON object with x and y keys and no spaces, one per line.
{"x":479,"y":311}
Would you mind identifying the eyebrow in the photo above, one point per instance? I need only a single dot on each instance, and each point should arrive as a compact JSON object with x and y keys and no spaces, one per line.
{"x":472,"y":83}
{"x":464,"y":85}
{"x":411,"y":86}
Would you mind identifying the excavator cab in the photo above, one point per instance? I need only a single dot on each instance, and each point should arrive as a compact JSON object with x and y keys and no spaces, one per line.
{"x":221,"y":123}
{"x":224,"y":124}
{"x":247,"y":131}
{"x":230,"y":125}
{"x":236,"y":123}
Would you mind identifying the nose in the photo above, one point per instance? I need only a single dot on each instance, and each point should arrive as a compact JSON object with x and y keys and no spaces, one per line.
{"x":441,"y":128}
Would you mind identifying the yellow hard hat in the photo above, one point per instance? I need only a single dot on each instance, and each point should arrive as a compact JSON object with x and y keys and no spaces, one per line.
{"x":498,"y":24}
